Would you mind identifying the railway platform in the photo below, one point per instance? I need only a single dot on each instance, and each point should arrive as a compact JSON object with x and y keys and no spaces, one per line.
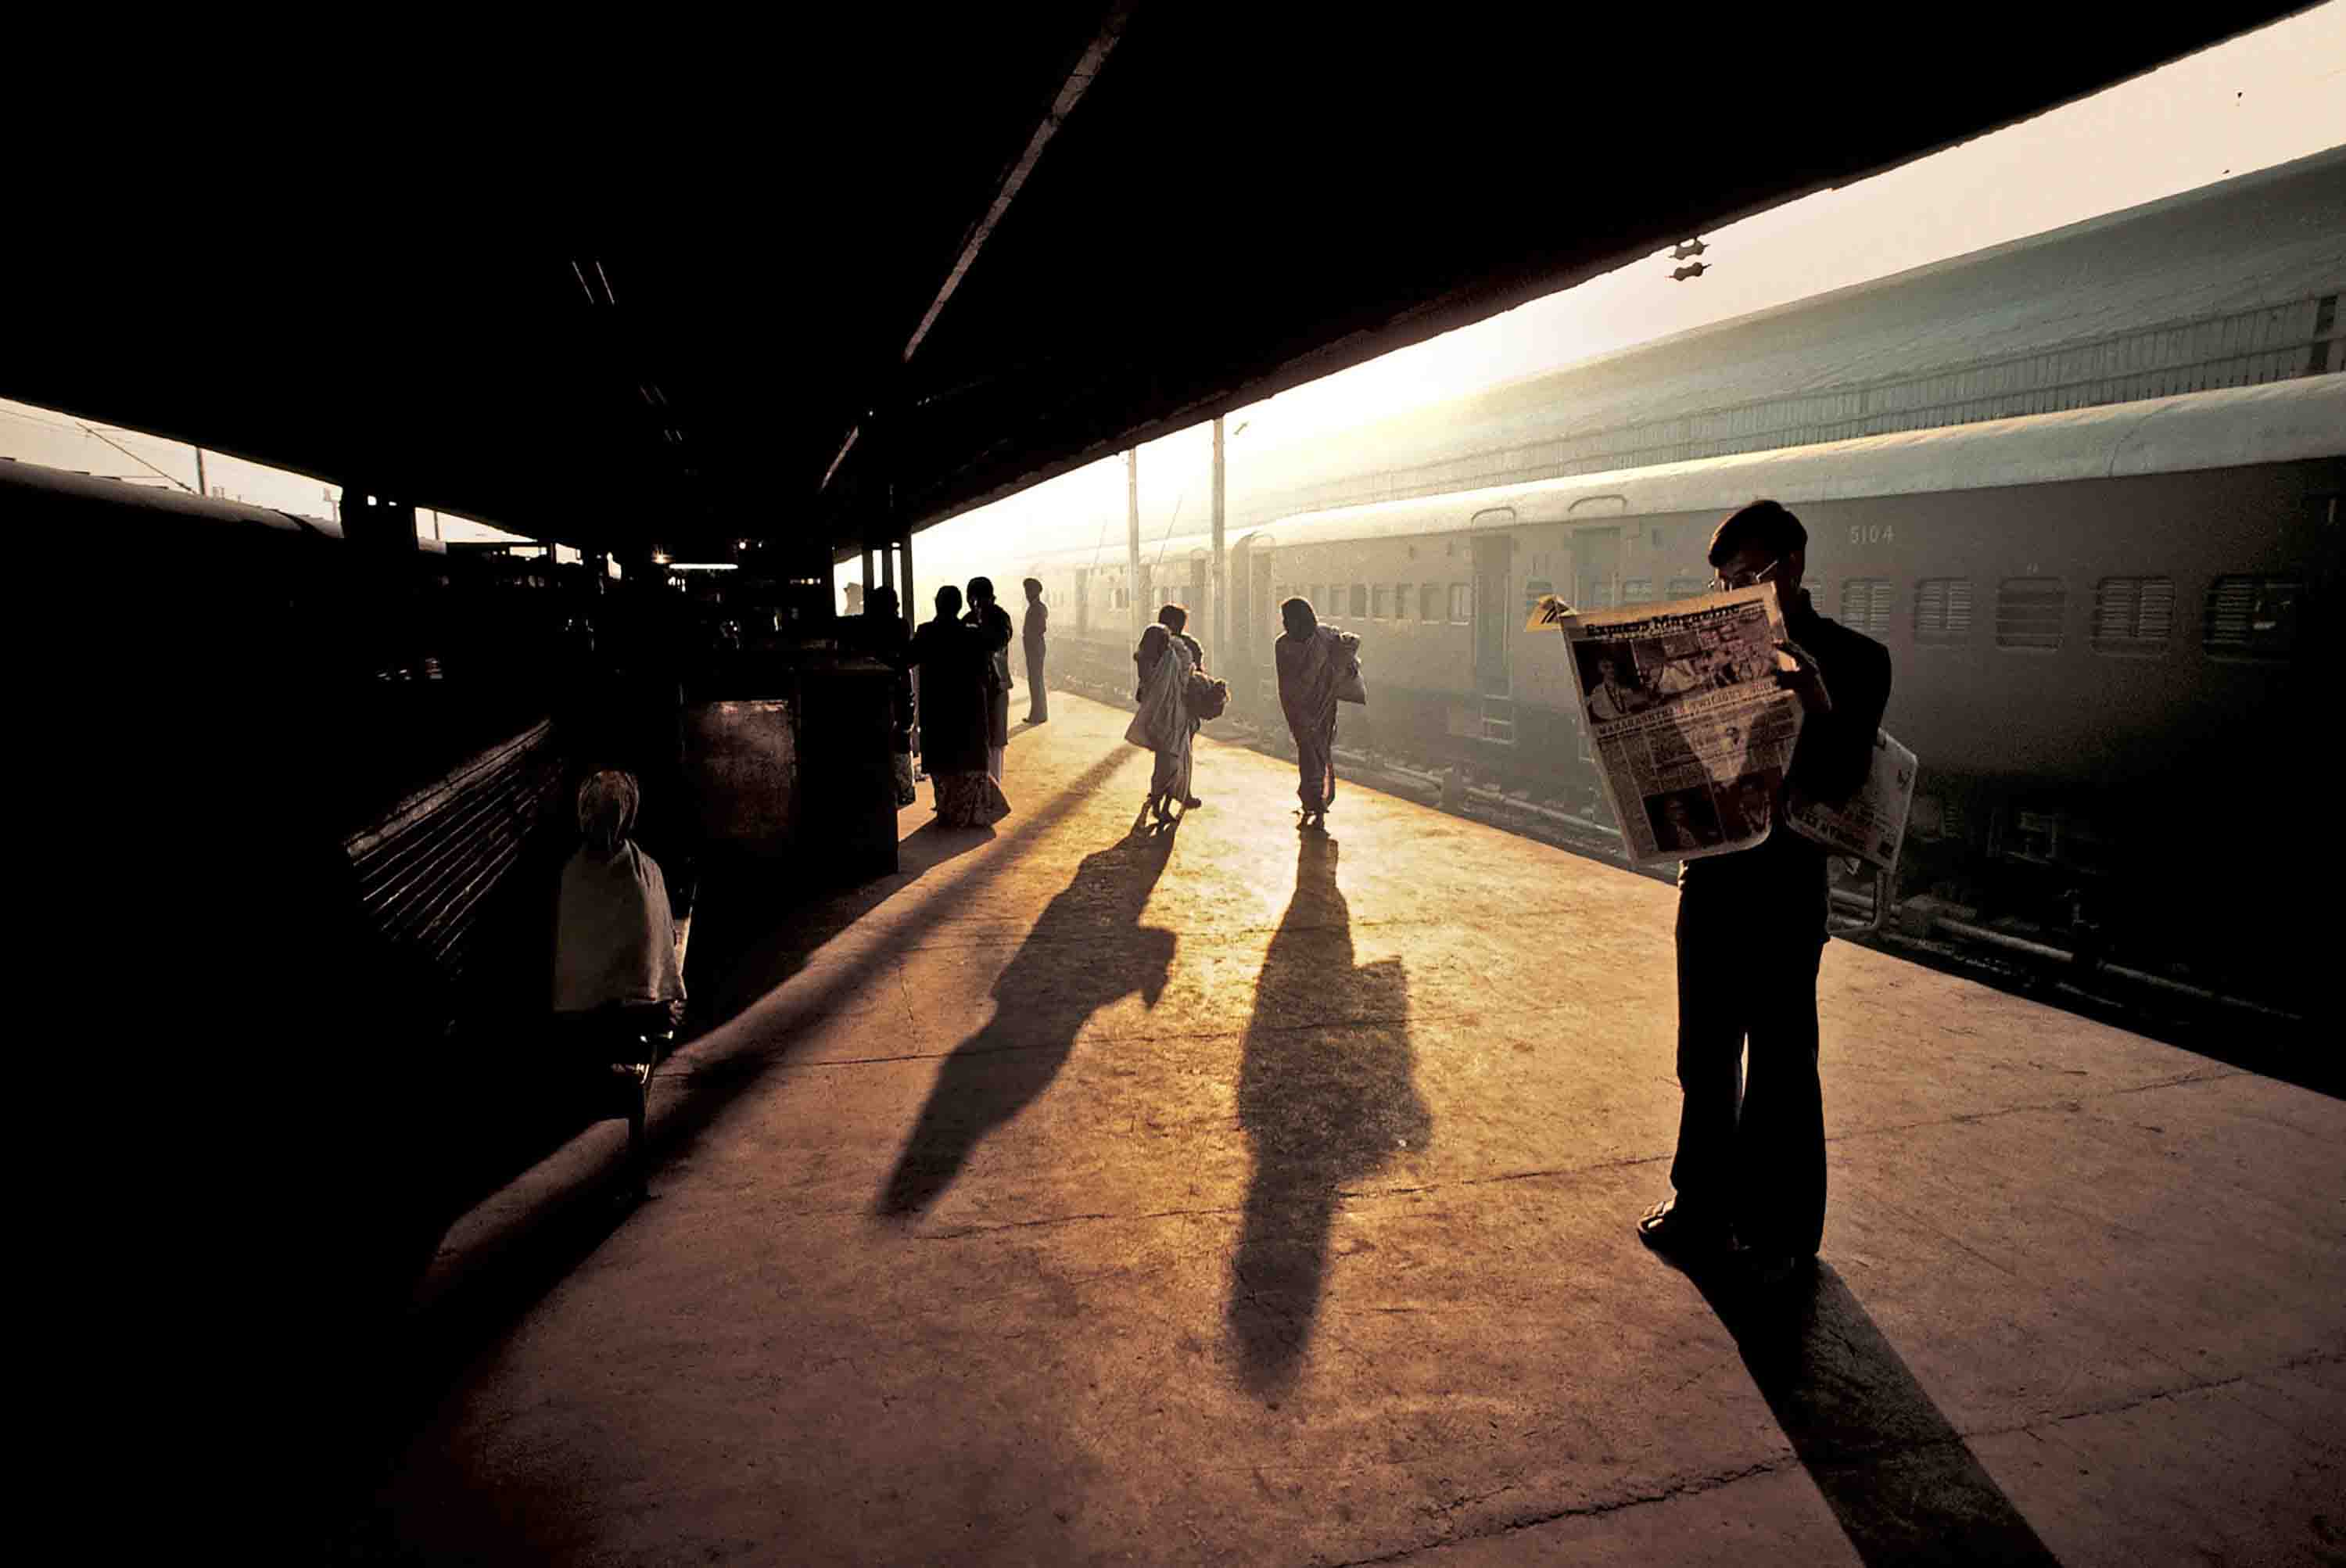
{"x":1231,"y":1195}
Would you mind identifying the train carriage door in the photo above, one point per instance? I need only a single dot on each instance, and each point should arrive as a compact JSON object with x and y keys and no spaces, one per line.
{"x":1492,"y":553}
{"x":1494,"y":685}
{"x":1261,"y":611}
{"x":1596,"y":553}
{"x":1201,"y":603}
{"x":1241,"y":566}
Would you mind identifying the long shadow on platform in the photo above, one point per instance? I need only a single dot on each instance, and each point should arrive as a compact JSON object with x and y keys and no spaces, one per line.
{"x":509,"y":1120}
{"x":1087,"y":951}
{"x":383,"y":1409}
{"x":739,"y":942}
{"x":1900,"y":1479}
{"x":1327,"y":1095}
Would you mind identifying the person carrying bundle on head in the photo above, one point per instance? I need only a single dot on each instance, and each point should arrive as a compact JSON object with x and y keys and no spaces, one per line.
{"x":1318,"y":666}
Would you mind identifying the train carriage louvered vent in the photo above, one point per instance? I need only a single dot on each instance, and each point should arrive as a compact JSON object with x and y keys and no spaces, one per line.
{"x":1865,"y":605}
{"x":2252,"y":616}
{"x":2134,"y":615}
{"x":2028,"y":613}
{"x":1942,"y":609}
{"x":427,"y":869}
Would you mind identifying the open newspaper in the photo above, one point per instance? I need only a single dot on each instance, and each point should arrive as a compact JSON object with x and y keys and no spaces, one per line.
{"x":1691,"y":734}
{"x":1871,"y":824}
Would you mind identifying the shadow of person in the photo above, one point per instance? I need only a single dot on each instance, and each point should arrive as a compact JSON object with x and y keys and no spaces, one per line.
{"x":1087,"y":951}
{"x":1326,"y":1096}
{"x":759,"y":928}
{"x":1901,"y":1481}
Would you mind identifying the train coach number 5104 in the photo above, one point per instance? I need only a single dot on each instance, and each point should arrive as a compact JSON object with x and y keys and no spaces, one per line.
{"x":1872,"y":532}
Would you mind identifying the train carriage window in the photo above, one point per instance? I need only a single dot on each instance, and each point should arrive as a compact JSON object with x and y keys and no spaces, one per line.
{"x":1536,"y":589}
{"x":1943,"y":610}
{"x":1462,"y":602}
{"x":1400,"y":601}
{"x":2134,"y":615}
{"x":1429,"y":601}
{"x":1638,"y":590}
{"x":2029,"y":613}
{"x":2255,"y":617}
{"x":1380,"y":604}
{"x":1865,"y":605}
{"x":1360,"y":600}
{"x":1687,"y":587}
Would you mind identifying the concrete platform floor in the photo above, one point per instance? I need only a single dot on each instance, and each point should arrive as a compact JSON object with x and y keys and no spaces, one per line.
{"x":1230,"y":1197}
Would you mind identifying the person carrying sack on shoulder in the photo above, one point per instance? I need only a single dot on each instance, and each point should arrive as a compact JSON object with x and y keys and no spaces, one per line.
{"x":1163,"y":725}
{"x":1318,"y":666}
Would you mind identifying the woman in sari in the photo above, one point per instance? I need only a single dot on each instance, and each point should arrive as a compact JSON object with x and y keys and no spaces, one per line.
{"x":991,"y":623}
{"x":1313,"y":662}
{"x":952,"y":704}
{"x":1162,"y":724}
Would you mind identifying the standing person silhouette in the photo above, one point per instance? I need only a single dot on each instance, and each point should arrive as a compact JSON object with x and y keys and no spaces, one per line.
{"x":1750,"y":1163}
{"x":952,"y":702}
{"x":1175,"y":618}
{"x":991,"y":624}
{"x":1031,"y":636}
{"x":1163,"y":724}
{"x":1314,"y":661}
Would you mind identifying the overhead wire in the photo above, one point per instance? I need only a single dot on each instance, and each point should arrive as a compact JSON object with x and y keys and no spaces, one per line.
{"x":93,"y":431}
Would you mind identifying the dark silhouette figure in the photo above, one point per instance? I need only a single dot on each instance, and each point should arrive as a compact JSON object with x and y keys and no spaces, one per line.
{"x":1033,"y":635}
{"x":1750,"y":1161}
{"x":1326,"y":1096}
{"x":1088,"y":950}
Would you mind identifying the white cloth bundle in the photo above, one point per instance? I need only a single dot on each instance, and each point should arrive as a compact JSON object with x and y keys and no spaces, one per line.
{"x":614,"y":941}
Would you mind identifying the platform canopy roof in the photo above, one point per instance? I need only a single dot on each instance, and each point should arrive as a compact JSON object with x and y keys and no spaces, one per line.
{"x":655,"y":279}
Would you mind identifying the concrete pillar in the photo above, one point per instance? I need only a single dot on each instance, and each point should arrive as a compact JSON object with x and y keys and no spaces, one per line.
{"x":1221,"y":556}
{"x":905,"y":601}
{"x":1140,"y":615}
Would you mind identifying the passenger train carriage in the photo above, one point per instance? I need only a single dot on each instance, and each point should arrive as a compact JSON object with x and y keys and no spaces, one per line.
{"x":2098,"y":619}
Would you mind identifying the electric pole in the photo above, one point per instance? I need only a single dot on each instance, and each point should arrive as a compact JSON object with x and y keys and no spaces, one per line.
{"x":1221,"y":562}
{"x":1132,"y":534}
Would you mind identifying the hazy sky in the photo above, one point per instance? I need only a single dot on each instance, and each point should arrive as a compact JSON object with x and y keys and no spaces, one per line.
{"x":2262,"y":100}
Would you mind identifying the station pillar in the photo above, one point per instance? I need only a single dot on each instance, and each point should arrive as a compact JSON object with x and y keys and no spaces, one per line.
{"x":1221,"y":556}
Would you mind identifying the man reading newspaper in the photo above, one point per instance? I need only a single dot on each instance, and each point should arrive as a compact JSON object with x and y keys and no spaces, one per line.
{"x":1750,"y":1165}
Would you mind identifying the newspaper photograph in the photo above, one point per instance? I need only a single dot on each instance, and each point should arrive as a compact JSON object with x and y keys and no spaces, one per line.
{"x":1691,"y":734}
{"x":1871,"y":824}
